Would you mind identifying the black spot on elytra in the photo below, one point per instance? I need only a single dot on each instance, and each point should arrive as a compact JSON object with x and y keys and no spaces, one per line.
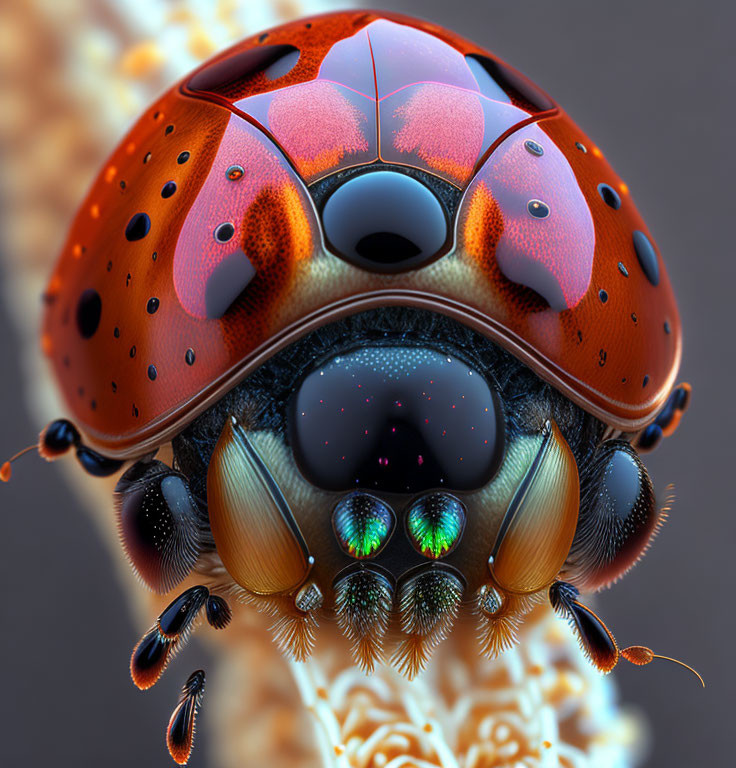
{"x":183,"y":157}
{"x":138,"y":227}
{"x":89,"y":311}
{"x":645,"y":382}
{"x":168,"y":189}
{"x":622,"y":269}
{"x":152,"y":372}
{"x":609,"y":196}
{"x":224,"y":232}
{"x":189,"y":357}
{"x":538,"y":209}
{"x":153,"y":305}
{"x":169,"y":129}
{"x":132,"y":351}
{"x":114,"y":387}
{"x":534,"y":147}
{"x":667,"y":328}
{"x":647,"y":256}
{"x":116,"y":332}
{"x":603,"y":296}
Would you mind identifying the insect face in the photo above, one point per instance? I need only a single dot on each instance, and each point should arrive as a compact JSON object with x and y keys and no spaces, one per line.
{"x":403,"y":331}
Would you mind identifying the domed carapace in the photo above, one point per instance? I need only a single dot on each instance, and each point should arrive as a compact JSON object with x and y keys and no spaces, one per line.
{"x":401,"y":323}
{"x":216,"y":233}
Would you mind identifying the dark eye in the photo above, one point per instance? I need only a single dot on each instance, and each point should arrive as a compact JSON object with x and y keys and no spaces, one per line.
{"x":158,"y":523}
{"x":396,"y":419}
{"x":618,"y":517}
{"x":384,"y":221}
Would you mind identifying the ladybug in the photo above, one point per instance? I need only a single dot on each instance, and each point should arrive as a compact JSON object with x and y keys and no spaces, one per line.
{"x":404,"y":330}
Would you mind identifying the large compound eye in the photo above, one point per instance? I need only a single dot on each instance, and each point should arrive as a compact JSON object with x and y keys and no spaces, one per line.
{"x":384,"y":221}
{"x":617,"y":519}
{"x":158,"y":521}
{"x":396,"y":419}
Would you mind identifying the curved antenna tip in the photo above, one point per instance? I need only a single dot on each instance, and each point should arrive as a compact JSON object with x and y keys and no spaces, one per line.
{"x":640,"y":655}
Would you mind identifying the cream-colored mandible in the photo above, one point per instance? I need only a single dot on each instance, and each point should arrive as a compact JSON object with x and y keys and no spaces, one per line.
{"x":537,"y":531}
{"x":255,"y":533}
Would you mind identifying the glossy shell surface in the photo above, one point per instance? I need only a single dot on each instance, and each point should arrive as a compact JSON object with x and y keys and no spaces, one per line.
{"x":199,"y":251}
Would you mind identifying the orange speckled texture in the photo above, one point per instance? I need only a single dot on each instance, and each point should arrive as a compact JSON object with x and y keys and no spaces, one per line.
{"x":533,"y":285}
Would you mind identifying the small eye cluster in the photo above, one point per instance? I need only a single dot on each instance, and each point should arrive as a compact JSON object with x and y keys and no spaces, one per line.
{"x":364,"y":524}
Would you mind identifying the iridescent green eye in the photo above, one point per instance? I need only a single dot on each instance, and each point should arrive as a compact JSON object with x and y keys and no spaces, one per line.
{"x":363,"y":524}
{"x":435,"y":524}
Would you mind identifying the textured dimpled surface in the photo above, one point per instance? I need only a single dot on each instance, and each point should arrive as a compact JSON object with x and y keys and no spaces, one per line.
{"x":239,"y":142}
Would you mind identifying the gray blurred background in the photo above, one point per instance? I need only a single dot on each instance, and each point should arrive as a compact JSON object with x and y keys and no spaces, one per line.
{"x":653,"y":84}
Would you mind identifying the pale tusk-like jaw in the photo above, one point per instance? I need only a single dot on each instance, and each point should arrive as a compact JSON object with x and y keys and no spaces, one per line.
{"x":538,"y":527}
{"x":254,"y":529}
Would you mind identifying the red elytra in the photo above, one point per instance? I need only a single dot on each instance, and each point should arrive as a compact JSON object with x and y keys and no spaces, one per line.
{"x":199,"y":251}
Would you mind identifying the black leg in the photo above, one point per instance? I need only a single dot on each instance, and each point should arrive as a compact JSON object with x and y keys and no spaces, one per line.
{"x":180,"y":733}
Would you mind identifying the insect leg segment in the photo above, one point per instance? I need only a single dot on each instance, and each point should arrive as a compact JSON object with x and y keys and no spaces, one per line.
{"x":55,"y":440}
{"x":667,"y":421}
{"x":61,"y":435}
{"x":176,"y":620}
{"x":180,"y":731}
{"x":595,"y":638}
{"x":171,"y":632}
{"x":533,"y":538}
